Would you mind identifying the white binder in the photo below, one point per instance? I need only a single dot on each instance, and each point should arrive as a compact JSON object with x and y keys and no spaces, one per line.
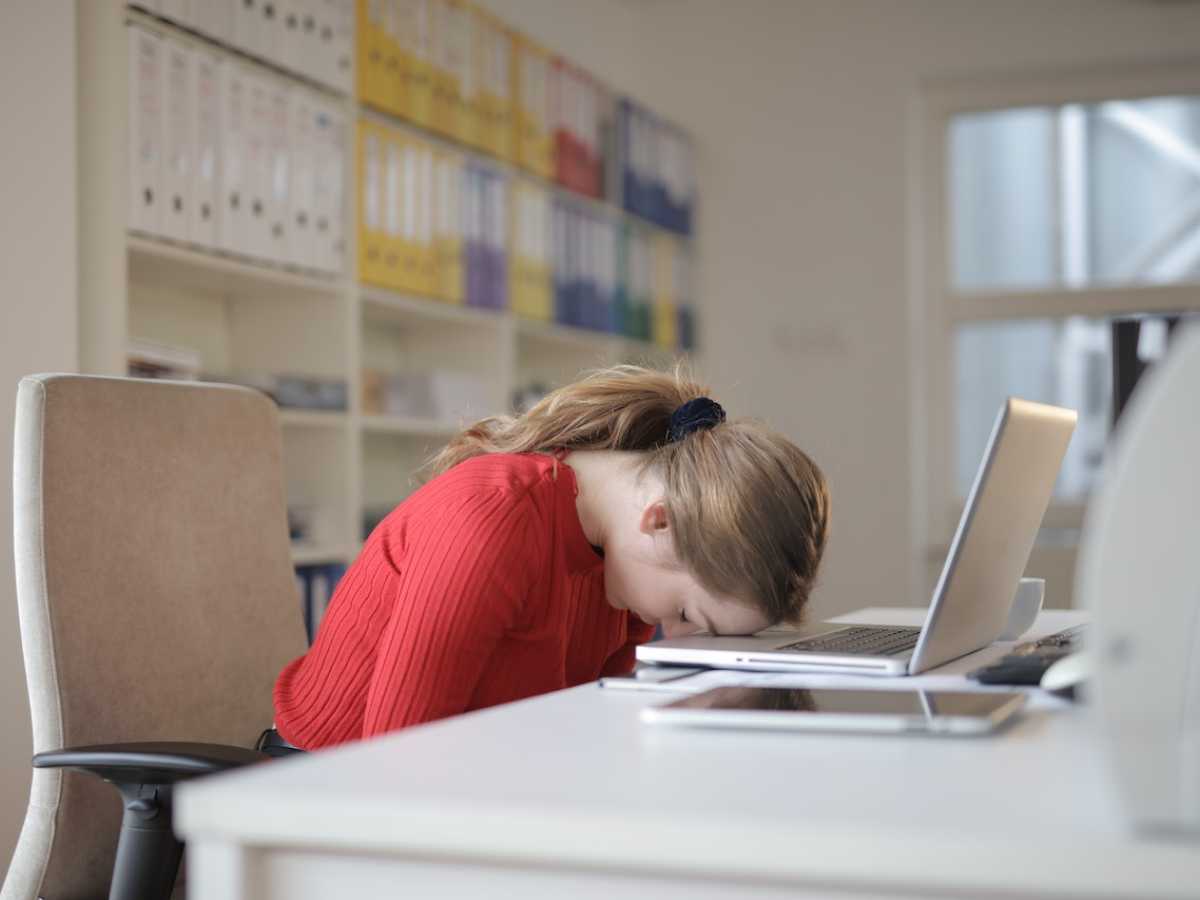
{"x":257,"y":158}
{"x":308,"y":38}
{"x":342,"y":72}
{"x":177,"y":140}
{"x":290,"y":17}
{"x":206,"y":144}
{"x":278,"y":176}
{"x":329,"y":200}
{"x":145,"y":130}
{"x":302,"y":175}
{"x":336,"y":251}
{"x":233,"y":220}
{"x":269,"y":33}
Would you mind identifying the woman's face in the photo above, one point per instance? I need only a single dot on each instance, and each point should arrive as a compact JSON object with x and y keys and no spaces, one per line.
{"x":642,"y":574}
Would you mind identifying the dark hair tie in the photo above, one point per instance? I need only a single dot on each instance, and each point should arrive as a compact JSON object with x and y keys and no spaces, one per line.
{"x":693,"y":416}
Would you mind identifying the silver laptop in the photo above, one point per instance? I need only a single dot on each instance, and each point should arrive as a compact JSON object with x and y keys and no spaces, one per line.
{"x":971,"y":601}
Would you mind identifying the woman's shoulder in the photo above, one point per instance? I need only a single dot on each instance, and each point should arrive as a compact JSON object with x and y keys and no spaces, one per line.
{"x":478,"y":492}
{"x":512,"y":473}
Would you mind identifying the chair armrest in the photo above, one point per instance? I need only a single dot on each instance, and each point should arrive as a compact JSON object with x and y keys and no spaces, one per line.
{"x":145,"y":774}
{"x":162,"y":762}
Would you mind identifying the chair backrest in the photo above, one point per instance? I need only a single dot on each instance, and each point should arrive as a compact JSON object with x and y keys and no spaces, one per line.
{"x":154,"y":587}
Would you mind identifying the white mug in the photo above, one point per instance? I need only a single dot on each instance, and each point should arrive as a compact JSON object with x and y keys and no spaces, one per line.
{"x":1026,"y":605}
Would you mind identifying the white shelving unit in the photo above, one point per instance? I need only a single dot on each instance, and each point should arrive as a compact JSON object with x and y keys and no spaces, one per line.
{"x":246,"y":316}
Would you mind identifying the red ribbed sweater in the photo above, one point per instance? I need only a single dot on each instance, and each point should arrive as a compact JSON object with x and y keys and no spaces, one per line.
{"x":480,"y":588}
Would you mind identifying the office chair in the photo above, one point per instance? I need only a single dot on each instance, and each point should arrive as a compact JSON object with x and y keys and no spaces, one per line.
{"x":157,"y":604}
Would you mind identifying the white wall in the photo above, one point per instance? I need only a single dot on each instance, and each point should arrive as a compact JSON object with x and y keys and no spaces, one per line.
{"x":799,"y":108}
{"x":37,"y":299}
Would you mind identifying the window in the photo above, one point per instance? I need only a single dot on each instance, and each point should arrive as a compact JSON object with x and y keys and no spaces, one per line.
{"x":1067,"y":362}
{"x":1076,"y":195}
{"x":1045,"y":207}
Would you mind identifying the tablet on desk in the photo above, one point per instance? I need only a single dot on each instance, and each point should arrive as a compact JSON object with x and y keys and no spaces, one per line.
{"x":820,"y":709}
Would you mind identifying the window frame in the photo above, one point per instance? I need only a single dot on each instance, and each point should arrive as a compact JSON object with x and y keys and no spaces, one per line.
{"x":936,"y":308}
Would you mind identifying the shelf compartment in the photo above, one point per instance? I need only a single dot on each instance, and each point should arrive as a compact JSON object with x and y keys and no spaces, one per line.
{"x":159,"y":263}
{"x":380,"y":304}
{"x":409,"y":426}
{"x":305,"y":554}
{"x":566,"y":337}
{"x":306,"y":418}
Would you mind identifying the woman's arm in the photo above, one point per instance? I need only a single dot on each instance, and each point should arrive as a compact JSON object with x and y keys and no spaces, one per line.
{"x":466,"y":576}
{"x":623,"y":660}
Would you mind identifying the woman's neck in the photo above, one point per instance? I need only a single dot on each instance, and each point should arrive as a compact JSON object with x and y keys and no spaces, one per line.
{"x":610,"y":490}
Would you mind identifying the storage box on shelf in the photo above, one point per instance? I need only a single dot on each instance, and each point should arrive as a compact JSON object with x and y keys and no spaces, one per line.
{"x":444,"y":397}
{"x":429,"y":363}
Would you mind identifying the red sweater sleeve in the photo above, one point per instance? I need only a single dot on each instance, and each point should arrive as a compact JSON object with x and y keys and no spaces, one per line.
{"x":465,"y":580}
{"x":622,"y":661}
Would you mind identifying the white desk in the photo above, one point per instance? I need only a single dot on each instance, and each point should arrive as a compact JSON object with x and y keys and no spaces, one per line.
{"x":570,"y":795}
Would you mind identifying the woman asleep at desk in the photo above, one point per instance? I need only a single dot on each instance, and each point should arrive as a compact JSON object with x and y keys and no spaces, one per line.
{"x":550,"y":545}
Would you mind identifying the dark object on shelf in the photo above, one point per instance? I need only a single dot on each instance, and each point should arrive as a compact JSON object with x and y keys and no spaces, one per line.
{"x":371,"y":518}
{"x":300,"y":522}
{"x":294,"y":391}
{"x":316,"y":584}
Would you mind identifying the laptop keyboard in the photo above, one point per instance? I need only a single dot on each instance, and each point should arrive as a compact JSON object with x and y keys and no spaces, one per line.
{"x":870,"y":640}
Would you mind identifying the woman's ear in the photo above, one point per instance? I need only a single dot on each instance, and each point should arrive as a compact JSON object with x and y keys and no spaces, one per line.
{"x":654,"y":519}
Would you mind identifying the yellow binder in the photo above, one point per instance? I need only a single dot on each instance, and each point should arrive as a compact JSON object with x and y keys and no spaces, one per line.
{"x":448,"y":226}
{"x":391,"y":56}
{"x":416,"y":71}
{"x":494,"y":128}
{"x":664,"y":299}
{"x":461,"y":61}
{"x":518,"y":262}
{"x":534,"y":142}
{"x":369,"y":64}
{"x":442,"y":113}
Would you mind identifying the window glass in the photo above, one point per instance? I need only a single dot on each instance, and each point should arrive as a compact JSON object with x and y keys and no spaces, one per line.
{"x":1076,"y":196}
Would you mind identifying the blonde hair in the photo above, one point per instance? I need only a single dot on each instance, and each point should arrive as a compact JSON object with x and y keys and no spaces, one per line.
{"x":748,"y":509}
